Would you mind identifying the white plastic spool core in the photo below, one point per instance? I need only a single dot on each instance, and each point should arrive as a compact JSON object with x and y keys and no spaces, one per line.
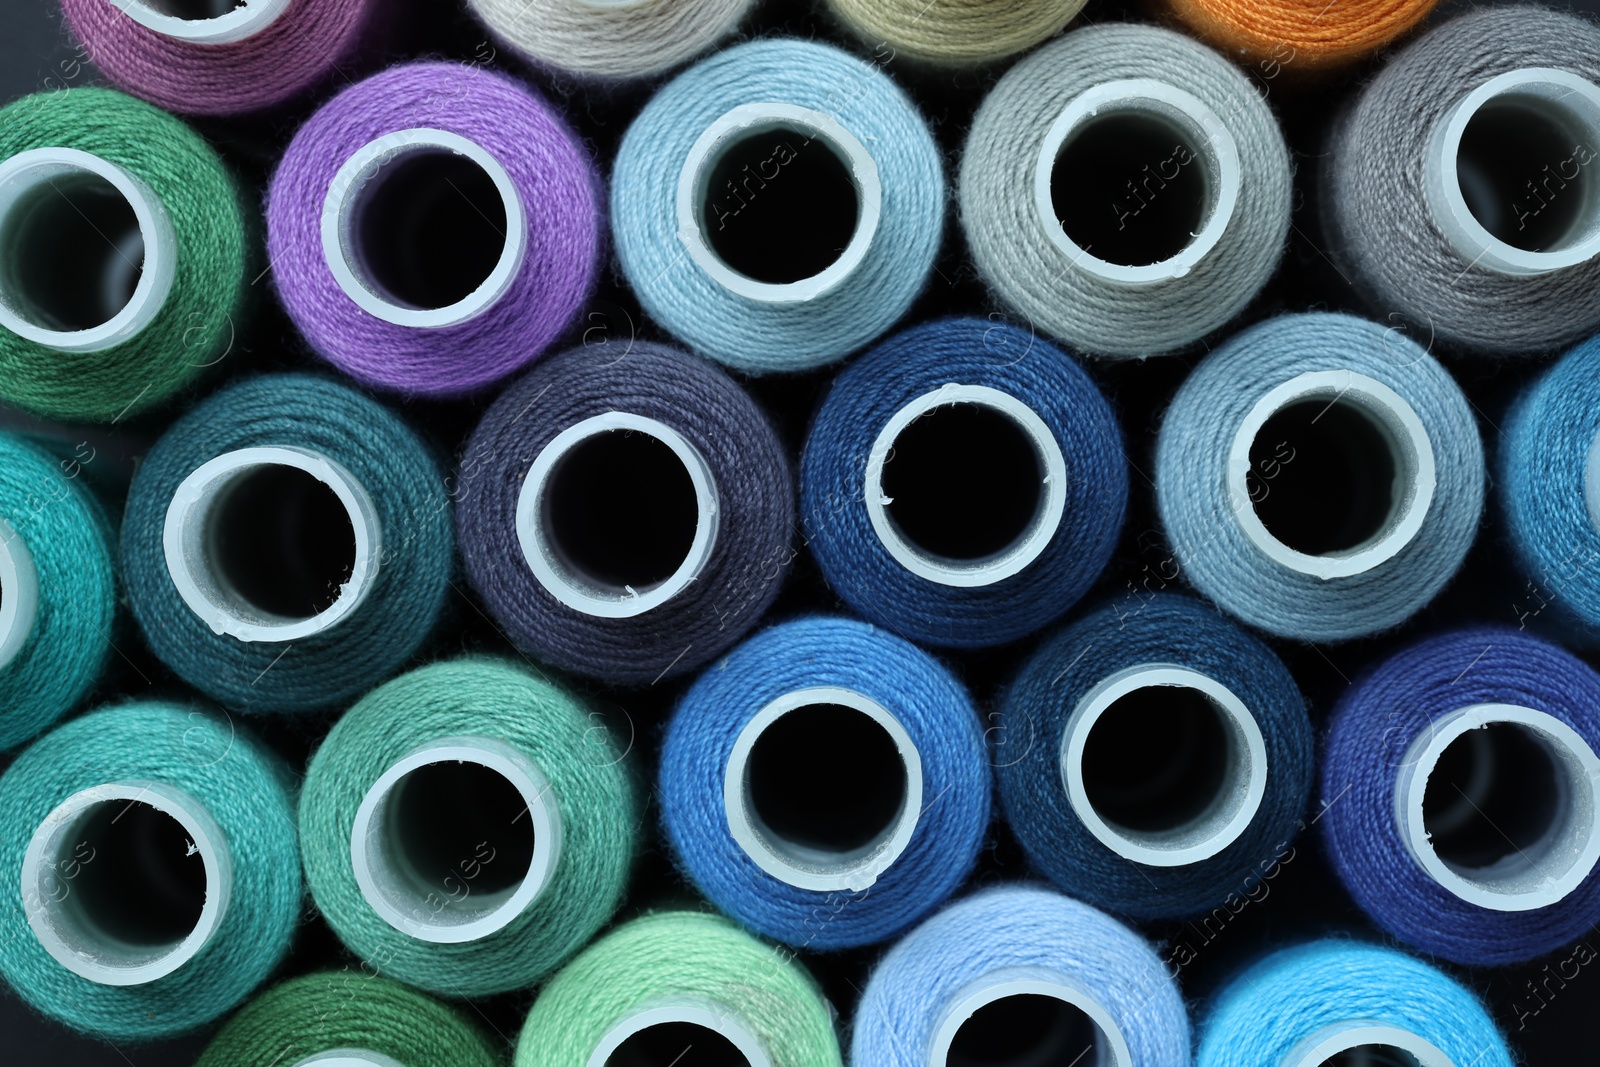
{"x":1591,"y":482}
{"x":1386,"y":1046}
{"x":1052,"y":466}
{"x":1562,"y":105}
{"x":64,"y":848}
{"x":806,"y":866}
{"x":385,"y":851}
{"x":696,"y":198}
{"x":190,"y":535}
{"x":1405,"y":439}
{"x":1224,"y":816}
{"x":1109,"y":1048}
{"x":1531,"y":875}
{"x":349,"y":1057}
{"x":692,"y":1012}
{"x":1195,"y":128}
{"x":43,"y":196}
{"x":351,"y":192}
{"x":565,"y":580}
{"x":19,"y":593}
{"x":203,"y":21}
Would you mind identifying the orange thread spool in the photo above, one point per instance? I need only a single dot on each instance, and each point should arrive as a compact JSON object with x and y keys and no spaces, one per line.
{"x":1299,"y":37}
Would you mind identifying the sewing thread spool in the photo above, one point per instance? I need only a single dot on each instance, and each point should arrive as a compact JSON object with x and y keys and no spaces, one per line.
{"x":1320,"y":477}
{"x":1149,"y":753}
{"x":1345,"y":1002}
{"x":778,"y":206}
{"x":625,"y":517}
{"x":287,"y":544}
{"x":611,"y":39}
{"x":1125,"y":190}
{"x":952,"y":32}
{"x":1024,"y":969}
{"x":1298,"y":41}
{"x":468,"y":827}
{"x":659,"y":985}
{"x":153,"y":873}
{"x":906,"y":819}
{"x":434,"y":228}
{"x":347,"y":1018}
{"x":1478,"y":141}
{"x":122,"y":255}
{"x":963,"y":483}
{"x":1460,"y":784}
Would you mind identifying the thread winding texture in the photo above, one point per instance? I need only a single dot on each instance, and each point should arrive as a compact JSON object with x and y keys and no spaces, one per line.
{"x":680,"y":958}
{"x":1164,"y":630}
{"x":937,"y":715}
{"x":611,"y":41}
{"x":1025,"y":931}
{"x":347,"y":1009}
{"x":956,"y":32}
{"x":554,"y":179}
{"x":1202,"y":521}
{"x":1299,"y":37}
{"x":1377,"y":207}
{"x":247,"y":792}
{"x":407,"y":596}
{"x":195,"y":326}
{"x":834,"y":492}
{"x":1371,"y":729}
{"x":1012,"y":244}
{"x":67,"y":534}
{"x":755,"y":510}
{"x":591,"y":787}
{"x":752,"y":335}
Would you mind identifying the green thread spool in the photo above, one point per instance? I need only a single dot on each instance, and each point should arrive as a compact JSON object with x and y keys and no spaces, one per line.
{"x":468,"y":826}
{"x":661,"y":985}
{"x":347,"y":1018}
{"x":123,"y":250}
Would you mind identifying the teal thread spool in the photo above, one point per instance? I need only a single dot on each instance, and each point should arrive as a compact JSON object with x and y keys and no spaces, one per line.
{"x":468,"y":827}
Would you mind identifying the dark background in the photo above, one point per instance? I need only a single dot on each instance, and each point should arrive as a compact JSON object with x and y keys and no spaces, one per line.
{"x":1304,"y":899}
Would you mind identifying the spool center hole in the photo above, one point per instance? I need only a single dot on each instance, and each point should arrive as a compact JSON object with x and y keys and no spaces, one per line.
{"x":1323,"y":477}
{"x":192,"y":10}
{"x":459,"y":831}
{"x":71,"y":253}
{"x":964,"y":482}
{"x":677,"y":1045}
{"x":1027,"y":1030}
{"x":1130,"y":188}
{"x":1525,"y":170}
{"x":780,"y":205}
{"x":130,"y":874}
{"x":1156,"y":759}
{"x":281,"y":541}
{"x":1492,"y":798}
{"x":1372,"y":1056}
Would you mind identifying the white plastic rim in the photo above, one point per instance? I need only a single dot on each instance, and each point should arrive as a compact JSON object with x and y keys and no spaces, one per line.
{"x":1327,"y":1042}
{"x":565,"y":582}
{"x":1533,"y":877}
{"x":437,"y":913}
{"x":1015,"y":557}
{"x":19,"y":593}
{"x":799,"y":865}
{"x":695,"y":193}
{"x":1110,"y":1044}
{"x":70,"y":938}
{"x":349,"y":1057}
{"x":1570,"y":102}
{"x":704,"y":1013}
{"x":1408,"y":443}
{"x":1591,"y":483}
{"x":341,"y":209}
{"x":1209,"y":139}
{"x":244,"y":21}
{"x":187,"y":542}
{"x":21,"y":178}
{"x":1227,"y":816}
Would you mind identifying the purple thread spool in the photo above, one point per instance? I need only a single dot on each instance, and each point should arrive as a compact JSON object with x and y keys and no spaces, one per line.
{"x":434,"y":228}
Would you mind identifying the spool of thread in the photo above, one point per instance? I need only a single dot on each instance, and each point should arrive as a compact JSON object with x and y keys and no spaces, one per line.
{"x":1345,"y":1002}
{"x":963,"y":484}
{"x":955,"y":32}
{"x":1125,"y":190}
{"x":1021,"y":974}
{"x":1460,"y":188}
{"x":1460,"y":781}
{"x":122,"y":255}
{"x":347,"y":1019}
{"x":1297,"y":40}
{"x":778,"y":206}
{"x":1150,"y":759}
{"x":626,"y":518}
{"x":434,"y":228}
{"x":213,"y":57}
{"x":1320,"y":477}
{"x":901,"y":744}
{"x":58,"y":590}
{"x":468,"y":827}
{"x":152,"y":878}
{"x":611,"y":39}
{"x":287,"y":544}
{"x":657,"y":986}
